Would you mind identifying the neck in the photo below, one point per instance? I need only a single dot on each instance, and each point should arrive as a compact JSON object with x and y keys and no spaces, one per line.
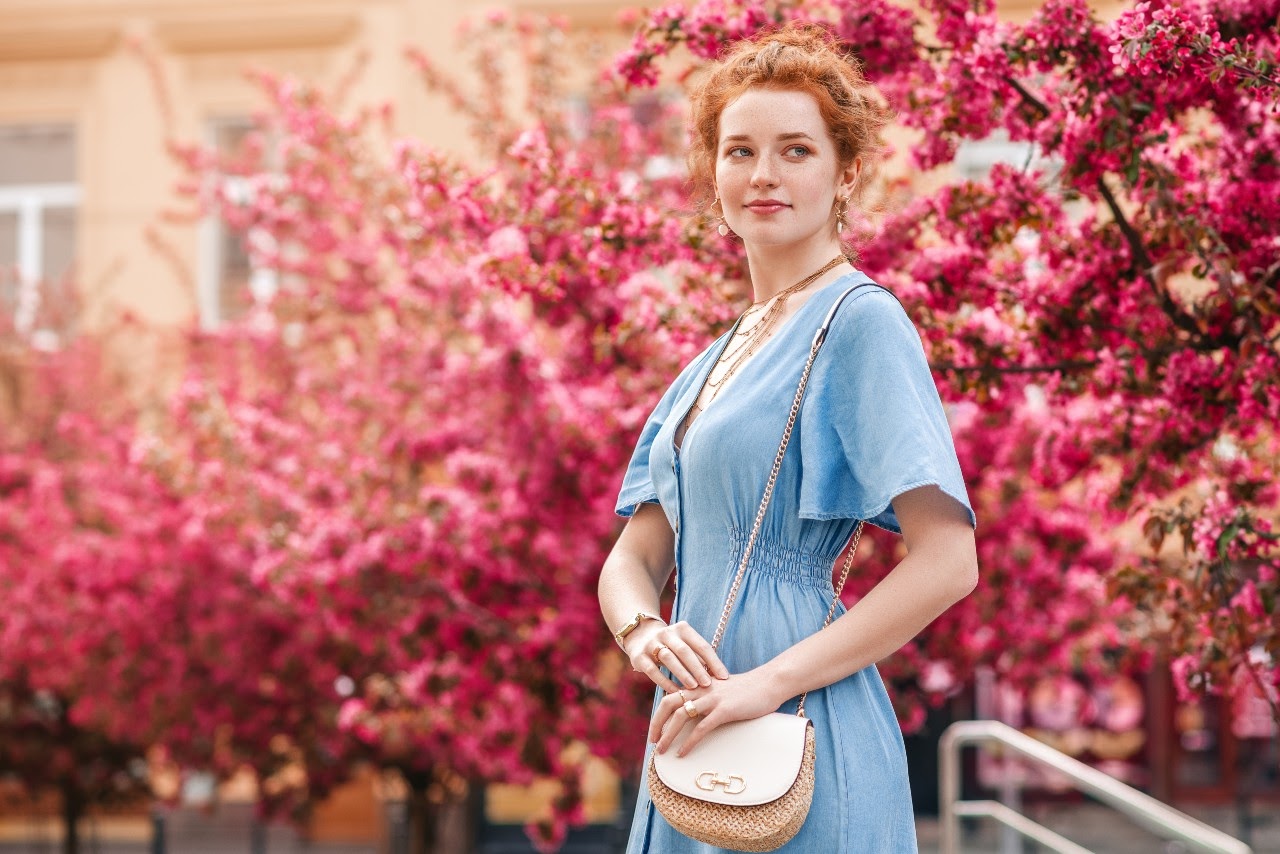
{"x":774,"y":268}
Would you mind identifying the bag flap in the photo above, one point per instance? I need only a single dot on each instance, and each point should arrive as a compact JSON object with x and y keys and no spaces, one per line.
{"x":744,"y":763}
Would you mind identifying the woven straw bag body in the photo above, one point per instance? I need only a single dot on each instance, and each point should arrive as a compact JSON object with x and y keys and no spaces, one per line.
{"x":761,"y":827}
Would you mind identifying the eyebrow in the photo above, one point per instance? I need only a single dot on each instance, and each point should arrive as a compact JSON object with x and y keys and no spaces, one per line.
{"x":740,"y":137}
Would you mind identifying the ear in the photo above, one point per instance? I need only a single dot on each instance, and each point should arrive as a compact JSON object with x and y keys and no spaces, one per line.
{"x":849,"y":177}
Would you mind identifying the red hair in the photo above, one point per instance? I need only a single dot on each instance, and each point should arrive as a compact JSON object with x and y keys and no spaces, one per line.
{"x":800,"y":58}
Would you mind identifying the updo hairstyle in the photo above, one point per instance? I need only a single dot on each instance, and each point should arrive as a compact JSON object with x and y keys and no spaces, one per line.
{"x":802,"y":58}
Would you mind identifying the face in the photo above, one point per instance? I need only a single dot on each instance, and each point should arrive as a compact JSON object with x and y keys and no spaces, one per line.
{"x":777,"y":171}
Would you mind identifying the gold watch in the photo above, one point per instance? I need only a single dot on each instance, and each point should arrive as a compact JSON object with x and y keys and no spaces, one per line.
{"x":621,"y":634}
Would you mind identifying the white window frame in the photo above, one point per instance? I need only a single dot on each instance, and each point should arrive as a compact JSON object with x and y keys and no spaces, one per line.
{"x":264,"y":282}
{"x":29,"y":202}
{"x":976,"y":157}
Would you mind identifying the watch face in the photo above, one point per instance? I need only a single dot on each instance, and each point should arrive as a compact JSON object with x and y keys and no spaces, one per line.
{"x":631,"y":626}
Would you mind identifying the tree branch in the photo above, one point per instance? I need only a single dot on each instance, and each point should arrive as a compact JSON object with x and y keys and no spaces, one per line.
{"x":1248,"y":71}
{"x":1175,"y":314}
{"x":1028,"y":98}
{"x":1131,"y":236}
{"x":1145,"y":268}
{"x":1053,"y":367}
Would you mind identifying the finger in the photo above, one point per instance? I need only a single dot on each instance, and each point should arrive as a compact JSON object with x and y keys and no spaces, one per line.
{"x":670,"y":659}
{"x":704,"y":651}
{"x":667,"y":706}
{"x":649,"y":668}
{"x":678,"y":720}
{"x":691,"y":664}
{"x":706,"y":725}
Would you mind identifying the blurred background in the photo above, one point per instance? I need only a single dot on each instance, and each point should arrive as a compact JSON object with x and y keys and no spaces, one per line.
{"x":95,"y":97}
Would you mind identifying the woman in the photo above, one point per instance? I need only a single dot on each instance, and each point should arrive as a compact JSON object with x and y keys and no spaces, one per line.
{"x":784,"y":130}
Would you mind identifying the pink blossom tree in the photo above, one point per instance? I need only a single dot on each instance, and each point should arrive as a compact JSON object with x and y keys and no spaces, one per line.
{"x":56,"y":530}
{"x":131,"y":631}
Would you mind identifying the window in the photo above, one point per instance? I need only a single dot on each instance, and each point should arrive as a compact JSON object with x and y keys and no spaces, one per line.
{"x":975,"y":158}
{"x":39,"y":199}
{"x":229,"y":280}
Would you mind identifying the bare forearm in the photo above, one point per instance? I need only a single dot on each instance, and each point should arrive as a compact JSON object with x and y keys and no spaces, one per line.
{"x":918,"y":589}
{"x":637,"y":568}
{"x":626,"y":587}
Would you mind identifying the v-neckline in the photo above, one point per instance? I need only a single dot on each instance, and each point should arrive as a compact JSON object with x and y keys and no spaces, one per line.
{"x":677,"y":446}
{"x":677,"y":441}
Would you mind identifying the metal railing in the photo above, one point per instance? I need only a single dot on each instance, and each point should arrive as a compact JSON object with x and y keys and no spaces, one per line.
{"x":1145,"y":810}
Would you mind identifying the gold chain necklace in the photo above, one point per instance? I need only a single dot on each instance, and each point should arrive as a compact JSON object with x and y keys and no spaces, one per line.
{"x":776,"y":305}
{"x":736,"y":352}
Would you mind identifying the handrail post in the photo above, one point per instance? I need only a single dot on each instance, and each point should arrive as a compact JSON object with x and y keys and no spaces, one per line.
{"x":1010,"y":796}
{"x":949,"y":772}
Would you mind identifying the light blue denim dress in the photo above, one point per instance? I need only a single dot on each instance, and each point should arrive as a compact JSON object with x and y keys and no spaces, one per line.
{"x":871,"y":427}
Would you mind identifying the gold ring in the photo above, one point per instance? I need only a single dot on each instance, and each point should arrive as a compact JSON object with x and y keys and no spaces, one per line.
{"x":691,"y":710}
{"x":657,"y":653}
{"x":683,"y":698}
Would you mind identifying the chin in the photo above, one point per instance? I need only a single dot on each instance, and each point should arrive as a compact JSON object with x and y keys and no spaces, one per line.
{"x":775,"y":238}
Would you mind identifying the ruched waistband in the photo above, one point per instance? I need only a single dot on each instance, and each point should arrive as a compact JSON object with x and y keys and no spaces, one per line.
{"x":782,"y":561}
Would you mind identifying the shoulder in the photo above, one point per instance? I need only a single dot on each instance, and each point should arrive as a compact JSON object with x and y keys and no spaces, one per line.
{"x":869,"y":301}
{"x":870,"y":316}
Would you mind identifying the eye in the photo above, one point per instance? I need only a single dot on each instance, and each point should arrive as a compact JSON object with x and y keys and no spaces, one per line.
{"x":798,"y":151}
{"x":739,"y":151}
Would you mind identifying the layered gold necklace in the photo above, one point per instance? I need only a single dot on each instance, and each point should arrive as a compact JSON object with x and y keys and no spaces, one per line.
{"x":747,"y":340}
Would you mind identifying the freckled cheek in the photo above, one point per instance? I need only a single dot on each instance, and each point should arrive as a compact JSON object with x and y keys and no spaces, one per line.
{"x":731,"y":187}
{"x":726,"y":176}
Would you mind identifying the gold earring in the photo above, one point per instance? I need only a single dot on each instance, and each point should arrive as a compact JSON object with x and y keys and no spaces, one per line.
{"x":723,"y":227}
{"x":840,"y":214}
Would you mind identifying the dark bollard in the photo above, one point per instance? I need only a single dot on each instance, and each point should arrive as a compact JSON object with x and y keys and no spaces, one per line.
{"x":629,"y":791}
{"x":398,"y":827}
{"x":258,"y":837}
{"x":157,"y":832}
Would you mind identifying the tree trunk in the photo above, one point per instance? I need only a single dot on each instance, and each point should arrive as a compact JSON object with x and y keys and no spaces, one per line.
{"x":458,"y":825}
{"x":442,"y":826}
{"x":421,"y":820}
{"x":72,"y":808}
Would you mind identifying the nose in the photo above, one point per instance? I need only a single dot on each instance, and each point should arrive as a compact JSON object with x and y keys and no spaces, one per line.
{"x":764,"y":175}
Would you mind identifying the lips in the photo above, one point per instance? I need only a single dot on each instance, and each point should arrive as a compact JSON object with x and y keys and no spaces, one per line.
{"x":766,"y":206}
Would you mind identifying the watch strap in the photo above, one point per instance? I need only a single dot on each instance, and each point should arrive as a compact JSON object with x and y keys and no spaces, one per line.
{"x":621,"y":634}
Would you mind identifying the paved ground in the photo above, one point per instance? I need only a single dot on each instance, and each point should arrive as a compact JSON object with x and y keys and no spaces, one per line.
{"x":232,"y":831}
{"x":1104,"y":831}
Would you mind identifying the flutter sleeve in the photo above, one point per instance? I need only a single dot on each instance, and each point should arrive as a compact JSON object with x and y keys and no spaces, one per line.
{"x":872,"y":425}
{"x":637,"y":483}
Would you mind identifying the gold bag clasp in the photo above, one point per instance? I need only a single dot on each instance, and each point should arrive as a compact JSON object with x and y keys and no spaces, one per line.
{"x":708,"y":780}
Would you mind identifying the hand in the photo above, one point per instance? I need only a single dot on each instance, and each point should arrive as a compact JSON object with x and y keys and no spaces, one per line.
{"x":677,"y":647}
{"x":741,"y":697}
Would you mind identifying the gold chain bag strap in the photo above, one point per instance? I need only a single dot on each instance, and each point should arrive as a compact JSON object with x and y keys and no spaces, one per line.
{"x":748,"y":785}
